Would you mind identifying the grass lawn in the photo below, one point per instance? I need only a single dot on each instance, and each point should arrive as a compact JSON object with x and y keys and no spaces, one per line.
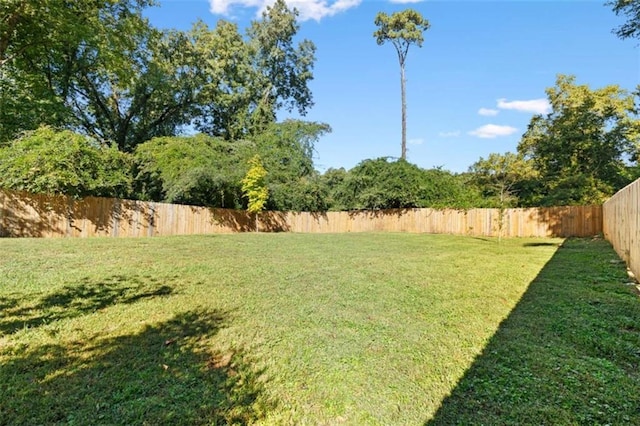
{"x":316,"y":329}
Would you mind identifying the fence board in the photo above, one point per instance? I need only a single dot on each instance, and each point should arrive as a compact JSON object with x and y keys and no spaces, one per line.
{"x":33,"y":215}
{"x":621,"y":224}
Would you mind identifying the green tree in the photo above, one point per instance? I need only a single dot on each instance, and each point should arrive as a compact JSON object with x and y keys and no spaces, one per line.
{"x":402,"y":29}
{"x":224,"y":104}
{"x":63,"y":162}
{"x":502,"y":178}
{"x":150,"y":92}
{"x":44,"y":46}
{"x":287,"y":150}
{"x":101,"y":69}
{"x":631,"y":9}
{"x":584,"y":149}
{"x":255,"y":188}
{"x":248,"y":79}
{"x":283,"y":70}
{"x":197,"y":170}
{"x":443,"y":189}
{"x":383,"y":184}
{"x":206,"y":170}
{"x":333,"y":181}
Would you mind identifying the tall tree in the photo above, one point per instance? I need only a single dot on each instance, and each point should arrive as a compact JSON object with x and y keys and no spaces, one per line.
{"x":402,"y":29}
{"x":287,"y":150}
{"x":102,"y":69}
{"x":250,"y":78}
{"x":584,"y":149}
{"x":149,"y":92}
{"x":631,"y":9}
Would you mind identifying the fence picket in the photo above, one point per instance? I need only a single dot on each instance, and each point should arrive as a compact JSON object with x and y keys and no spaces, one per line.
{"x":31,"y":215}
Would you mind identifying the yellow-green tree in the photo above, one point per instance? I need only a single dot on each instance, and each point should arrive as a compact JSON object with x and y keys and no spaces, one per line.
{"x":255,"y":188}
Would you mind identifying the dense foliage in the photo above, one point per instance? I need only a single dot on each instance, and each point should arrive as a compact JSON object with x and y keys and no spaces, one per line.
{"x":197,"y":170}
{"x":581,"y":152}
{"x":383,"y":184}
{"x":64,"y":162}
{"x":101,"y":69}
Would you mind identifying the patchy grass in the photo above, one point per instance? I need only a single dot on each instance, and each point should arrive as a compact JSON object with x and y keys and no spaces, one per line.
{"x":315,"y":329}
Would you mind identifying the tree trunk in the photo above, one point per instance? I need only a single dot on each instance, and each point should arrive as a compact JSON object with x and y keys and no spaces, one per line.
{"x":404,"y":112}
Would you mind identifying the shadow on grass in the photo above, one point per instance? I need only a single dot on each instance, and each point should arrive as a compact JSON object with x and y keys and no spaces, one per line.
{"x":541,"y":244}
{"x":163,"y":375}
{"x":75,"y":300}
{"x":567,"y":354}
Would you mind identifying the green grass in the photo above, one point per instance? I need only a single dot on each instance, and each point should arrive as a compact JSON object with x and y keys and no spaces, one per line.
{"x":316,"y":329}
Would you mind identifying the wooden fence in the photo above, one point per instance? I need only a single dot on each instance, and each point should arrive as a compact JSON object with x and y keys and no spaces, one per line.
{"x":621,"y":224}
{"x":37,"y":215}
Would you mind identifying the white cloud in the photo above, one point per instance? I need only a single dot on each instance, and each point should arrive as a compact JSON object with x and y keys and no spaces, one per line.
{"x":309,"y":9}
{"x":453,"y":134}
{"x":490,"y":131}
{"x":415,"y":141}
{"x":536,"y":106}
{"x":488,"y":112}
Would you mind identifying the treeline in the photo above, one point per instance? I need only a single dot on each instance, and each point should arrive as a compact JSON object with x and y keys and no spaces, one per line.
{"x":96,"y":101}
{"x":208,"y":171}
{"x":101,"y":69}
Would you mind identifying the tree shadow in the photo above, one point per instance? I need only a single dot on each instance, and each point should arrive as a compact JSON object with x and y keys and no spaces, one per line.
{"x":18,"y":312}
{"x":568,"y":221}
{"x":566,"y":354}
{"x":380,"y":213}
{"x":32,"y":215}
{"x":235,"y":220}
{"x":164,"y":374}
{"x":383,"y":220}
{"x":273,"y":221}
{"x":24,"y":214}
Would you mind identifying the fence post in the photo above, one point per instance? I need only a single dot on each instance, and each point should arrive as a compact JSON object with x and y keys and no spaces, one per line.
{"x":115,"y":218}
{"x":152,"y":214}
{"x":69,"y":232}
{"x":2,"y":213}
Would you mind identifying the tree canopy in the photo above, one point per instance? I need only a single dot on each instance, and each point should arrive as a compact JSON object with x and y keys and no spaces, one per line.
{"x":382,"y":184}
{"x":631,"y":9}
{"x":48,"y":49}
{"x":584,"y":148}
{"x":103,"y":70}
{"x":503,"y":178}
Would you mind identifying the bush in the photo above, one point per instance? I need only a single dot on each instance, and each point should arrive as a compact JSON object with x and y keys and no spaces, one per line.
{"x":383,"y":184}
{"x":197,"y":170}
{"x":64,"y":162}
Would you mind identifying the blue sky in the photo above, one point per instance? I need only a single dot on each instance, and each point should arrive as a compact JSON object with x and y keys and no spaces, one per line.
{"x":471,"y":89}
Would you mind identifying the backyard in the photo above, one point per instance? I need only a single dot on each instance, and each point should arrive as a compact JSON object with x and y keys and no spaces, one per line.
{"x":364,"y":328}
